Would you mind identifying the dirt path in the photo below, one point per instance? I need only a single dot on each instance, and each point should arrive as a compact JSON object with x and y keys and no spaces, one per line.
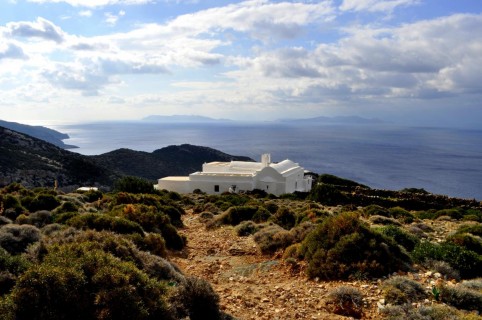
{"x":254,"y":286}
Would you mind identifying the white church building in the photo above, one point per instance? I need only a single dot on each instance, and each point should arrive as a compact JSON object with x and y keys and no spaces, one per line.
{"x":238,"y":176}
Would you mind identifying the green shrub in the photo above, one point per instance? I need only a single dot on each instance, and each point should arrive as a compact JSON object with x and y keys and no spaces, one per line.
{"x":337,"y":181}
{"x":43,"y":202}
{"x":75,"y":282}
{"x":273,"y":238}
{"x":375,"y":210}
{"x":67,"y":206}
{"x":401,"y":290}
{"x":384,"y":220}
{"x":455,"y":213}
{"x":433,"y":312}
{"x":467,"y":262}
{"x":14,"y":264}
{"x":327,"y":194}
{"x":92,"y":195}
{"x":285,"y":218}
{"x":174,"y":215}
{"x":443,"y":268}
{"x":342,"y":246}
{"x":261,"y":215}
{"x":401,"y":214}
{"x":16,"y":238}
{"x":12,"y":207}
{"x":246,"y":228}
{"x":64,"y":217}
{"x":403,"y":238}
{"x":196,"y":299}
{"x":474,"y":284}
{"x":151,"y":220}
{"x":134,"y":185}
{"x":348,"y":301}
{"x":235,"y":215}
{"x":474,"y":229}
{"x":467,"y":241}
{"x":38,"y":218}
{"x":99,"y":222}
{"x":462,"y":298}
{"x":151,"y":242}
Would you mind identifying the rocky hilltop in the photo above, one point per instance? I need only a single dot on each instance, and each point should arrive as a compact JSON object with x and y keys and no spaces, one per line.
{"x":36,"y":163}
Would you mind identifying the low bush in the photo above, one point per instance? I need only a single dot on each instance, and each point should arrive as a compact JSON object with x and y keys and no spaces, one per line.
{"x":443,"y":268}
{"x":384,"y":220}
{"x":235,"y":215}
{"x":401,"y":290}
{"x":285,"y":218}
{"x":134,"y":185}
{"x":467,"y":262}
{"x":273,"y":238}
{"x":347,"y":301}
{"x":261,"y":215}
{"x":462,"y":298}
{"x":474,"y":284}
{"x":42,"y":202}
{"x":196,"y":299}
{"x":401,"y":214}
{"x":327,"y":194}
{"x":375,"y":210}
{"x":343,"y":246}
{"x":433,"y":312}
{"x":474,"y":229}
{"x":38,"y":218}
{"x":467,"y":241}
{"x":402,"y":237}
{"x":99,"y":222}
{"x":16,"y":238}
{"x":67,"y":206}
{"x":75,"y":282}
{"x":246,"y":228}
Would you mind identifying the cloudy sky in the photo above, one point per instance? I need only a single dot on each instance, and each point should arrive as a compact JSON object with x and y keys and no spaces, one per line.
{"x":414,"y":61}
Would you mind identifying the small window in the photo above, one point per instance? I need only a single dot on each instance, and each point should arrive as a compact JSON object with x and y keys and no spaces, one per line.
{"x":216,"y":188}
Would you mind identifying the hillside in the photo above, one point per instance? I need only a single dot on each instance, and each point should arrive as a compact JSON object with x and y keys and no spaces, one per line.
{"x":168,"y":161}
{"x":49,"y":135}
{"x":36,"y":163}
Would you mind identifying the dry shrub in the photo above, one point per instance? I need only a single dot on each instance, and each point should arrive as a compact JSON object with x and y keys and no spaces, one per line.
{"x":401,"y":290}
{"x":347,"y":301}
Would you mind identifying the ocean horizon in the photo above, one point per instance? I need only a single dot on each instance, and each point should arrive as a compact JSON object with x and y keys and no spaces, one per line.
{"x":445,"y":161}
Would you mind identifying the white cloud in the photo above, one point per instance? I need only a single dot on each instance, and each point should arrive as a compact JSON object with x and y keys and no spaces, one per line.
{"x":11,"y":51}
{"x":85,"y":13}
{"x":424,"y":60}
{"x":41,"y":28}
{"x":112,"y":18}
{"x":94,"y":3}
{"x":375,"y":5}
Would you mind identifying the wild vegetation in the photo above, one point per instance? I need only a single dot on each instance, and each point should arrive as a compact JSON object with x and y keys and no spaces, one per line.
{"x":106,"y":255}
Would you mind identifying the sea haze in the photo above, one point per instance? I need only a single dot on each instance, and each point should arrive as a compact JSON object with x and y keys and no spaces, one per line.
{"x":440,"y":160}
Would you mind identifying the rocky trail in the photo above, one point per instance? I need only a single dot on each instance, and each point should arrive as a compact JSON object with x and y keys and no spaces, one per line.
{"x":256,"y":286}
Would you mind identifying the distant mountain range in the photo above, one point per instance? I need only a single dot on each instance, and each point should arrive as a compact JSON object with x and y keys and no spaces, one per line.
{"x":36,"y":163}
{"x":43,"y":133}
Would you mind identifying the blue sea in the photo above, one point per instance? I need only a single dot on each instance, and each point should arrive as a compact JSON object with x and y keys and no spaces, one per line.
{"x":441,"y":160}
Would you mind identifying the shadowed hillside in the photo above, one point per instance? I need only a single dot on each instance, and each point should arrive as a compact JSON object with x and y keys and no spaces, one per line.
{"x":168,"y":161}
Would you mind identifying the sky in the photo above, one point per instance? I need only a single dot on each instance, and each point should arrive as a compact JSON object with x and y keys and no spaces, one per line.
{"x":417,"y":62}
